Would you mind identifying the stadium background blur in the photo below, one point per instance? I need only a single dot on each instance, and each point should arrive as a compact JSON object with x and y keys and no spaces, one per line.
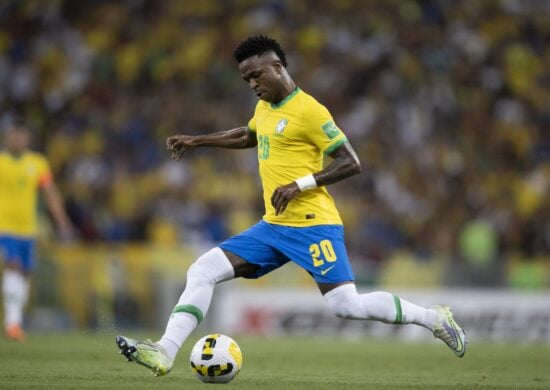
{"x":446,"y":103}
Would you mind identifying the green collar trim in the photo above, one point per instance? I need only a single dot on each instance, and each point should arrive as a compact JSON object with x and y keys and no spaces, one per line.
{"x":286,"y":99}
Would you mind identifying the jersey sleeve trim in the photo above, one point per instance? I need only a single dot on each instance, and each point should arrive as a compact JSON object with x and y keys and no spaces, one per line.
{"x":335,"y":146}
{"x":45,"y":179}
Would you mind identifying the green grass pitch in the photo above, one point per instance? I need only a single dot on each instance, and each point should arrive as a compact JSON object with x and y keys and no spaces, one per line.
{"x":91,"y":361}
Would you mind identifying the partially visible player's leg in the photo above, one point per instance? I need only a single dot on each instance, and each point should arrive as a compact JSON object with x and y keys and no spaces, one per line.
{"x":15,"y":287}
{"x":15,"y":284}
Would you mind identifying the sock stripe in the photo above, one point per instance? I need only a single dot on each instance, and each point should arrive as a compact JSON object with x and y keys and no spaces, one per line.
{"x":399,"y":312}
{"x":190,"y":309}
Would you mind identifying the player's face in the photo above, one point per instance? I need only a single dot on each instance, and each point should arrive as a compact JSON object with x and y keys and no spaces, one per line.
{"x":264,"y":76}
{"x":17,"y":140}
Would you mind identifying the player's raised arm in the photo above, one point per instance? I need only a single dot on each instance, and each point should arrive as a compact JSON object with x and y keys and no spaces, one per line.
{"x":238,"y":138}
{"x":345,"y":163}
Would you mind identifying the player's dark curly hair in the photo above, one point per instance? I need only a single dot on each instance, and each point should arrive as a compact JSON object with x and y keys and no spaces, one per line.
{"x":258,"y":45}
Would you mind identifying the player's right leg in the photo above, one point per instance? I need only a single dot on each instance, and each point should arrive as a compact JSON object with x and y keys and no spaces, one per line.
{"x":248,"y":254}
{"x":146,"y":353}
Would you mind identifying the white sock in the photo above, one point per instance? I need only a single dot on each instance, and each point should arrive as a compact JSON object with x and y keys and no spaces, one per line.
{"x":15,"y":290}
{"x":345,"y":302}
{"x":211,"y":268}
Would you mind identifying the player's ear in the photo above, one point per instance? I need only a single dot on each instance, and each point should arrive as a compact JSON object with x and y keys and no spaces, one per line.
{"x":278,"y":66}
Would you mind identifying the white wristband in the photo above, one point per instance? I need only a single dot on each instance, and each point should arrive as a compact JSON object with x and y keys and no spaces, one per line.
{"x":306,"y":183}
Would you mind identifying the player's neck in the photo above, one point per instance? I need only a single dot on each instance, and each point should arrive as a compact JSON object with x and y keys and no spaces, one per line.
{"x":289,"y":86}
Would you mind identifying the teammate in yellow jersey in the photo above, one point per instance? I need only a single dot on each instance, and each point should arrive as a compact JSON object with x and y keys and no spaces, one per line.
{"x":292,"y":132}
{"x":22,"y":174}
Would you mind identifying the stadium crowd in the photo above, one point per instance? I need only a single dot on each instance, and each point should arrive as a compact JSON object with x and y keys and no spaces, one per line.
{"x":446,"y":102}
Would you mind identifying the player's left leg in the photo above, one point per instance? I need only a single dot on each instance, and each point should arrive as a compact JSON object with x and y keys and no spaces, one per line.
{"x":321,"y":251}
{"x":345,"y":302}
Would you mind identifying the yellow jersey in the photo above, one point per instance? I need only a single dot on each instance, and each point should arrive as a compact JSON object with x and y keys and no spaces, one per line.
{"x":20,"y":179}
{"x":293,"y":136}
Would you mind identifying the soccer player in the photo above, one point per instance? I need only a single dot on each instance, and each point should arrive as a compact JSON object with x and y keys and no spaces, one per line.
{"x":292,"y":132}
{"x":22,"y":174}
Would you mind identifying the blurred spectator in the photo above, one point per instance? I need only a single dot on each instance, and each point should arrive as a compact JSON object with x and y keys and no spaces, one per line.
{"x":445,"y":101}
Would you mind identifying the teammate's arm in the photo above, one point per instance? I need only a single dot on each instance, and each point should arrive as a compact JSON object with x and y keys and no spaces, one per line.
{"x":344,"y":164}
{"x":239,"y":138}
{"x":54,"y":202}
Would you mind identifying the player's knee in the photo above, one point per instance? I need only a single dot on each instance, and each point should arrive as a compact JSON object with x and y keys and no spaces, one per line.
{"x":349,"y":309}
{"x":210,"y":268}
{"x":198,"y":273}
{"x":344,"y":302}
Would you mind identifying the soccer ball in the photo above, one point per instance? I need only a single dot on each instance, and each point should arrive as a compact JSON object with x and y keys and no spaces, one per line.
{"x":216,"y":358}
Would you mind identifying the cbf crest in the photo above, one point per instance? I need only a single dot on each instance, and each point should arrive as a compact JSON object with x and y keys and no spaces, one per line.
{"x":281,"y":125}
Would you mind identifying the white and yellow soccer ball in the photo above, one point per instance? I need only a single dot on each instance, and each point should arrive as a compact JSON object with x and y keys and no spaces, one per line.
{"x":216,"y":358}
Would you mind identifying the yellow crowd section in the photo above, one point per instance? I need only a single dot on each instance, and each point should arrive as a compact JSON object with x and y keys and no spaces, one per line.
{"x":88,"y":278}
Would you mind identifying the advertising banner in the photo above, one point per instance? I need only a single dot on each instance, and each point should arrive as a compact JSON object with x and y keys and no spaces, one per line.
{"x":488,"y":315}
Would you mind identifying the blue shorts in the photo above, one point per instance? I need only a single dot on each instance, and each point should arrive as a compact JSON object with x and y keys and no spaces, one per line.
{"x":320,"y":250}
{"x":19,"y":251}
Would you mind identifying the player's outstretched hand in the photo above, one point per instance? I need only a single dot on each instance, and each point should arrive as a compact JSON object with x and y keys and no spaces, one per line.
{"x":177,"y":145}
{"x":283,"y":195}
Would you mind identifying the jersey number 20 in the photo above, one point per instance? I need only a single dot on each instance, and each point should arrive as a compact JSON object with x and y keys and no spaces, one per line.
{"x":324,"y":247}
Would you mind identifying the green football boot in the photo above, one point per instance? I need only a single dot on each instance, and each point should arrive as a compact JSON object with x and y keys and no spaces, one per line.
{"x":449,"y":331}
{"x":146,"y":353}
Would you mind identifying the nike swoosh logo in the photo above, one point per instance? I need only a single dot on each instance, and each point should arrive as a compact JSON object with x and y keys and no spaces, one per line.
{"x":325,"y":271}
{"x":458,"y":332}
